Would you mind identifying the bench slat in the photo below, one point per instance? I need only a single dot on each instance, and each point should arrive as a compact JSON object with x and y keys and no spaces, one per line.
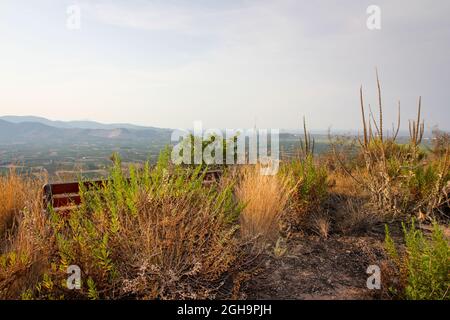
{"x":66,"y":201}
{"x":61,"y":188}
{"x":72,"y":187}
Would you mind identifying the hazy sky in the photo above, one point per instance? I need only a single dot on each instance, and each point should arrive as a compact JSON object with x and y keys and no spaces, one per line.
{"x":227,"y":63}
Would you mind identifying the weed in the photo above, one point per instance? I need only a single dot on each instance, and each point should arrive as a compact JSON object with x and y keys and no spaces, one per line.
{"x":424,"y":268}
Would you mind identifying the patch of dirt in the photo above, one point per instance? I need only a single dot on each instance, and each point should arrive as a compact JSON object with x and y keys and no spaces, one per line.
{"x":318,"y":268}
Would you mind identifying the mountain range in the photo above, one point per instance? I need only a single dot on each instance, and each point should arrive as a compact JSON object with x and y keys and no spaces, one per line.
{"x":71,"y":124}
{"x":30,"y":129}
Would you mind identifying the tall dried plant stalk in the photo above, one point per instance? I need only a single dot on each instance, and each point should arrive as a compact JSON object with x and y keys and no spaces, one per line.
{"x":383,"y":178}
{"x":366,"y":138}
{"x":396,"y":131}
{"x":380,"y":132}
{"x":417,"y":128}
{"x":308,"y":144}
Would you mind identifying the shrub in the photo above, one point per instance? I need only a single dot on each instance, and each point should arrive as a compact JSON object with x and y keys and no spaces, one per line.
{"x":15,"y":195}
{"x":265,"y":199}
{"x":309,"y":183}
{"x":24,"y":236}
{"x":159,"y":234}
{"x":441,"y":142}
{"x":400,"y":178}
{"x":425,"y":187}
{"x":423,"y":270}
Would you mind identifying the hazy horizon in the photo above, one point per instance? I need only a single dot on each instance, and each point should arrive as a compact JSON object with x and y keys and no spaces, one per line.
{"x":233,"y":64}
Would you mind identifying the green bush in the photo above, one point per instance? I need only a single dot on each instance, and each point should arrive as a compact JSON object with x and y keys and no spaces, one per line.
{"x":159,"y":233}
{"x":403,"y":179}
{"x":424,"y":268}
{"x":308,"y":178}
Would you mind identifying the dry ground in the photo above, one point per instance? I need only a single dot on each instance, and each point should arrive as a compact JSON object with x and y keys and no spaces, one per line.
{"x":323,"y":268}
{"x":318,"y":268}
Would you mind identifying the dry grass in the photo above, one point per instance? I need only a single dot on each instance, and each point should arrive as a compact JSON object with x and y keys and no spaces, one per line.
{"x":265,"y":199}
{"x":24,"y":234}
{"x":353,"y":210}
{"x":162,"y":234}
{"x":154,"y":237}
{"x":356,"y":216}
{"x":322,"y":226}
{"x":342,"y":185}
{"x":174,"y":248}
{"x":13,"y":197}
{"x":400,"y":179}
{"x":18,"y":196}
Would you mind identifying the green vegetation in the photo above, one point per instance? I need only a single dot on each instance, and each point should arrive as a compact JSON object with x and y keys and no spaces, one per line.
{"x":423,"y":268}
{"x":145,"y":236}
{"x":308,"y":180}
{"x":157,"y":230}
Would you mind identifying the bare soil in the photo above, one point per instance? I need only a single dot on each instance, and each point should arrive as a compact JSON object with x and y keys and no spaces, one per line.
{"x":317,"y":268}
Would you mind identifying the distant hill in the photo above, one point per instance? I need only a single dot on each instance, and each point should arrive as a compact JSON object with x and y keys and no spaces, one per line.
{"x":10,"y":132}
{"x":35,"y":130}
{"x":71,"y":124}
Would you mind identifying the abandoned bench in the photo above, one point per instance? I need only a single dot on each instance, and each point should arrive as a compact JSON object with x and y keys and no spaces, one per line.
{"x":63,"y":196}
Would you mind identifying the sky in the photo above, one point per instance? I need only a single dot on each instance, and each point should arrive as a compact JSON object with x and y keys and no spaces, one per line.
{"x":229,"y":64}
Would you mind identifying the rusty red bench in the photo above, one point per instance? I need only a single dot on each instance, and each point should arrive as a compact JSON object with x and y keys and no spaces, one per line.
{"x":64,"y":195}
